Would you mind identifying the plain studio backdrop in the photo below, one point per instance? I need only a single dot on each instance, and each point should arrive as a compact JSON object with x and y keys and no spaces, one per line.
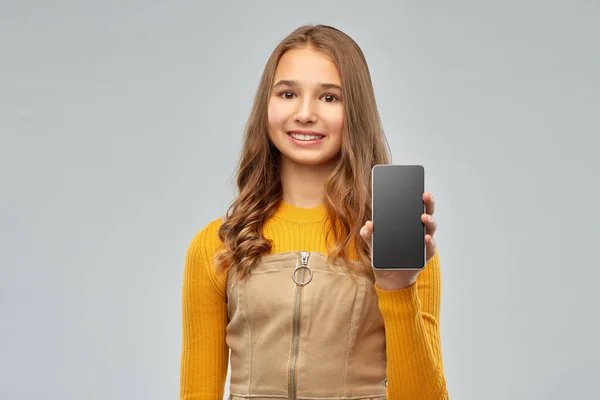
{"x":121,"y":123}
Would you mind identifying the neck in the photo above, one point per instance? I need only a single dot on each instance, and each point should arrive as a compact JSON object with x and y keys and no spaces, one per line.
{"x":303,"y":185}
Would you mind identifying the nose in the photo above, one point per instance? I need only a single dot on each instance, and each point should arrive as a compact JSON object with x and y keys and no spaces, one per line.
{"x":305,"y":113}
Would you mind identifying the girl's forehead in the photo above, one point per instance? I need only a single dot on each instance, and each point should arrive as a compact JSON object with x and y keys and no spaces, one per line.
{"x":307,"y":66}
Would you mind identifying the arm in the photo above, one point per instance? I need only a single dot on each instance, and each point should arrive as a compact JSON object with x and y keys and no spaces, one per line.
{"x":411,"y":316}
{"x":204,"y":354}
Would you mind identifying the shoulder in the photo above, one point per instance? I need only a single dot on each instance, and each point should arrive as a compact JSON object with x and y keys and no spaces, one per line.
{"x":201,"y":251}
{"x":206,"y":240}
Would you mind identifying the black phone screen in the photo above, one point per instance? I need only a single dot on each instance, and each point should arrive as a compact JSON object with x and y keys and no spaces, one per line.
{"x":398,"y":240}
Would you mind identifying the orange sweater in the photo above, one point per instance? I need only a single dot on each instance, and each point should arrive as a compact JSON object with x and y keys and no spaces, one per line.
{"x":411,"y":315}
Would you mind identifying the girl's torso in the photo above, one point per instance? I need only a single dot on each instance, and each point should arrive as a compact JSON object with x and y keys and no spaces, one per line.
{"x":301,"y":328}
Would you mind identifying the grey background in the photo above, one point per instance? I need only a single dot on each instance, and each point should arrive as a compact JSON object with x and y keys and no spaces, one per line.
{"x":120,"y":127}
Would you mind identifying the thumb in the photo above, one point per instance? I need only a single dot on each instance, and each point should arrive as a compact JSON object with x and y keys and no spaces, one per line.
{"x":366,"y":232}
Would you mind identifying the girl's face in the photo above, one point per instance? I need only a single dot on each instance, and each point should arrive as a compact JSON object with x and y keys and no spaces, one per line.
{"x":306,"y":113}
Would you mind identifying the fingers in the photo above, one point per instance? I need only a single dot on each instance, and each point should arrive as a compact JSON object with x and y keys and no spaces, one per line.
{"x":430,"y":246}
{"x":429,"y":203}
{"x":430,"y":223}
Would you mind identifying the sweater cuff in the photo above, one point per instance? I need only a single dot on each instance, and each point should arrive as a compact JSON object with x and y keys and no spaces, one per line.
{"x":396,"y":303}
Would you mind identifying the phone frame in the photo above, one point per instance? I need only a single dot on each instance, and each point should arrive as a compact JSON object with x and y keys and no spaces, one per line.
{"x":373,"y":213}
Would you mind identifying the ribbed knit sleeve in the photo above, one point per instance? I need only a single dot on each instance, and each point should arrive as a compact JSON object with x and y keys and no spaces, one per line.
{"x":412,"y":330}
{"x":204,"y":355}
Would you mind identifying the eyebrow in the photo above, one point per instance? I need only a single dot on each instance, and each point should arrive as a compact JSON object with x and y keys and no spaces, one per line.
{"x":285,"y":82}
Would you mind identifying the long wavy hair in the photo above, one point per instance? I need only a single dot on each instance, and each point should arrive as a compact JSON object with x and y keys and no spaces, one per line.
{"x":348,"y":188}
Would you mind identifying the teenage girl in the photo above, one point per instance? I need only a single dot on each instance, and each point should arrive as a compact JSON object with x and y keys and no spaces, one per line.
{"x":284,"y":279}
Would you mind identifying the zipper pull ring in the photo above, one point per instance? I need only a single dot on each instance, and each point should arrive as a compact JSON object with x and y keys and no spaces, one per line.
{"x":301,"y":268}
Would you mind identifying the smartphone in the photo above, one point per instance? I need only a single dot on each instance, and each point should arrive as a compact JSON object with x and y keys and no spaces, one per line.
{"x":398,"y":241}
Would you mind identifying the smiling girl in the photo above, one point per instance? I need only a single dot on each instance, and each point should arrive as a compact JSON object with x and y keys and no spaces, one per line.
{"x":284,"y":279}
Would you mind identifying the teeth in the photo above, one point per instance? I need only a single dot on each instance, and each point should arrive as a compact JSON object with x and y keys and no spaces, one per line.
{"x":305,"y":137}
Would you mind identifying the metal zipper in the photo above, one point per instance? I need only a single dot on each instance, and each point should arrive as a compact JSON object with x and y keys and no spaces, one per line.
{"x":296,"y":323}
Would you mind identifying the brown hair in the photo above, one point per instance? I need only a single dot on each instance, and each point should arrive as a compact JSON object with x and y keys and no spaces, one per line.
{"x":348,"y":189}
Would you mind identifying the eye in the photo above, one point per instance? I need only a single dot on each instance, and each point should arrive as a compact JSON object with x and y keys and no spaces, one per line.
{"x":287,"y":95}
{"x":330,"y":98}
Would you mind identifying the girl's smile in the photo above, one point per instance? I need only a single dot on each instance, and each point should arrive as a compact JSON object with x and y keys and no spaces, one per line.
{"x":306,"y":138}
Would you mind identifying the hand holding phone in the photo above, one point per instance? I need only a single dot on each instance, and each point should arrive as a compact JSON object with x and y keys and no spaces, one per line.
{"x":401,"y":233}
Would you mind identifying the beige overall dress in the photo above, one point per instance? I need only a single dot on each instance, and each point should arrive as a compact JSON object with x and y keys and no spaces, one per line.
{"x":300,"y":328}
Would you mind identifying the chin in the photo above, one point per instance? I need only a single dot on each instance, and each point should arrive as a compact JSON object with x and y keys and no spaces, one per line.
{"x":316,"y":160}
